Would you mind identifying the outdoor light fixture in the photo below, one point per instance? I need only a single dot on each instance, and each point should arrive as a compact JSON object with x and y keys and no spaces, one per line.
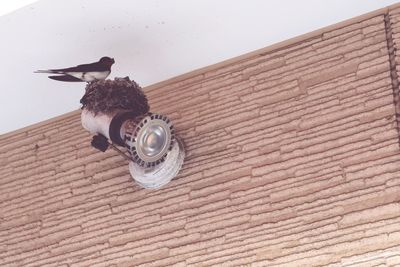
{"x":155,"y":153}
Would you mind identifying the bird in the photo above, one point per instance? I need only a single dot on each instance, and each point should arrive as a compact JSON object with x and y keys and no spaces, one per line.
{"x":82,"y":73}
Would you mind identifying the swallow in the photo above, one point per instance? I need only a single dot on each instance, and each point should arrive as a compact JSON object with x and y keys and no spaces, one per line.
{"x":83,"y":73}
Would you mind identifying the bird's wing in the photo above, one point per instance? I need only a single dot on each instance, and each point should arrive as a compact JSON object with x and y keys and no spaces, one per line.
{"x":79,"y":68}
{"x":45,"y":71}
{"x":65,"y":78}
{"x":83,"y":68}
{"x":96,"y":66}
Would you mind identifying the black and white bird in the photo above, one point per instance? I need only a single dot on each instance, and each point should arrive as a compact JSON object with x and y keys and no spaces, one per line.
{"x":83,"y":73}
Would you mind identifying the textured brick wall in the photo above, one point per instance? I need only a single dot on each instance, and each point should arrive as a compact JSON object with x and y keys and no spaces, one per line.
{"x":292,"y":160}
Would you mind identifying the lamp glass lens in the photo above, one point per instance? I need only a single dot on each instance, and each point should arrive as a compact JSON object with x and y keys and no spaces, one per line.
{"x":153,"y":141}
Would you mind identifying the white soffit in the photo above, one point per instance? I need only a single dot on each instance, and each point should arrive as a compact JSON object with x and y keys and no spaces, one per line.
{"x":8,"y":6}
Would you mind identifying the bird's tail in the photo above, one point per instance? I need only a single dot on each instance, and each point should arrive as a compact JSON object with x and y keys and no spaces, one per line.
{"x":65,"y":78}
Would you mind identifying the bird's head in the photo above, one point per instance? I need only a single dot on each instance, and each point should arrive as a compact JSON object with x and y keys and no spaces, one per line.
{"x":107,"y":61}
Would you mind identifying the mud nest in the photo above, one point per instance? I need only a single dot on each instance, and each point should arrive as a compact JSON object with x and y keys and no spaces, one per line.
{"x":108,"y":96}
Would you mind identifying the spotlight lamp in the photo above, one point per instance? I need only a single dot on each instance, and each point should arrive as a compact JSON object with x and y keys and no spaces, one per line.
{"x":117,"y":113}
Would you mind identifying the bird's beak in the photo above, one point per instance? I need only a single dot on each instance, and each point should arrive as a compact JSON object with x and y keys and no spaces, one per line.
{"x":113,"y":61}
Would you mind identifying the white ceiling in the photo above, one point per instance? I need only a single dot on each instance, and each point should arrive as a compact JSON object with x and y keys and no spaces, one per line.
{"x":150,"y":40}
{"x":8,"y":6}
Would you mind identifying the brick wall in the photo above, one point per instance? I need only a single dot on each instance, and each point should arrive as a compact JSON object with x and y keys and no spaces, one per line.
{"x":292,"y":160}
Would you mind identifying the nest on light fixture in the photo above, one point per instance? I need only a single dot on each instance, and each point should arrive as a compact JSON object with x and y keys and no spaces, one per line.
{"x":118,"y":111}
{"x":109,"y":96}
